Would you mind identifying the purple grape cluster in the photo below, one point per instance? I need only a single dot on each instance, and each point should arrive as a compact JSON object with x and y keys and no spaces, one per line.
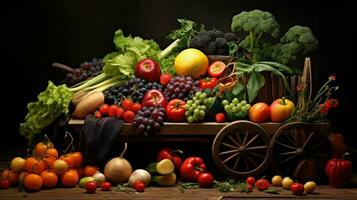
{"x":149,"y":120}
{"x":181,"y":87}
{"x":135,"y":88}
{"x":85,"y":71}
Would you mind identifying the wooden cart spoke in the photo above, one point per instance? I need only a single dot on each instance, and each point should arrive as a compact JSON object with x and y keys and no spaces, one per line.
{"x":231,"y":157}
{"x":246,"y":164}
{"x":228,"y":152}
{"x":252,"y":140}
{"x":256,"y":154}
{"x":246,"y":137}
{"x":234,"y":141}
{"x":285,"y":145}
{"x":287,"y":159}
{"x":257,"y":147}
{"x":251,"y":160}
{"x":290,"y":140}
{"x":238,"y":136}
{"x":308,"y":139}
{"x":316,"y":146}
{"x":236,"y":163}
{"x":287,"y":153}
{"x":229,"y":145}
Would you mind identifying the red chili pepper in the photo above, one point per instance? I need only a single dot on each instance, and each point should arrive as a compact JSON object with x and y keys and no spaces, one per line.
{"x":338,"y":172}
{"x":216,"y":69}
{"x":167,"y":153}
{"x":208,"y":83}
{"x":191,"y":168}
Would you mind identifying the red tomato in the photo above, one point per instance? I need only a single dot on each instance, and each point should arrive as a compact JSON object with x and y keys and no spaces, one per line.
{"x":136,"y":107}
{"x":262,"y":184}
{"x":250,"y":180}
{"x":216,"y":69}
{"x":127,"y":104}
{"x":297,"y":188}
{"x":175,"y":110}
{"x":165,"y":79}
{"x":120,"y":112}
{"x":91,"y":187}
{"x":128,"y":116}
{"x":205,"y":179}
{"x":106,"y":186}
{"x":4,"y":184}
{"x":113,"y":110}
{"x":248,"y":188}
{"x":98,"y":114}
{"x":139,"y":186}
{"x":220,"y":117}
{"x":104,"y":109}
{"x":208,"y":83}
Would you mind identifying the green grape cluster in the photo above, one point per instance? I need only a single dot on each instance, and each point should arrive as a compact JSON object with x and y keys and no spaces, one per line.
{"x":236,"y":106}
{"x":195,"y":107}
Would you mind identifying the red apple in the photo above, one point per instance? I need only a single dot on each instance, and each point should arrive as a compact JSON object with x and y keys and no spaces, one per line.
{"x":154,"y":98}
{"x":259,"y":112}
{"x":148,"y":70}
{"x":281,"y":109}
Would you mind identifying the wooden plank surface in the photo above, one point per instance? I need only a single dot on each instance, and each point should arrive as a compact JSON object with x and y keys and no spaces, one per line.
{"x":324,"y":192}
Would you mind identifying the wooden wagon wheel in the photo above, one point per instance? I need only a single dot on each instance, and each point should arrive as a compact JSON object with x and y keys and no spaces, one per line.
{"x":241,"y":149}
{"x":300,"y":150}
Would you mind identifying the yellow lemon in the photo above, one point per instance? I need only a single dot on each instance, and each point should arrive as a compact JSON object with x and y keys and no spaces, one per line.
{"x":191,"y":62}
{"x":276,"y":180}
{"x":310,"y":186}
{"x":287,"y":182}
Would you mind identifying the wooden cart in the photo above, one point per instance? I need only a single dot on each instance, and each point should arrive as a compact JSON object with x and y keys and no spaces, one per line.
{"x":243,"y":148}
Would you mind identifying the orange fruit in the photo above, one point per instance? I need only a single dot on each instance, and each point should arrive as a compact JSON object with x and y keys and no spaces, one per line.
{"x":11,"y":176}
{"x":90,"y":170}
{"x":33,"y":182}
{"x":22,"y":176}
{"x":69,"y":160}
{"x":60,"y":167}
{"x":70,"y":178}
{"x":17,"y":164}
{"x":52,"y":152}
{"x":77,"y":158}
{"x":40,"y":149}
{"x":49,"y":179}
{"x":34,"y":166}
{"x":191,"y":62}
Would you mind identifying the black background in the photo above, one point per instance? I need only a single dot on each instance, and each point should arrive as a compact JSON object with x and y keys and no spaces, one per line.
{"x":37,"y":33}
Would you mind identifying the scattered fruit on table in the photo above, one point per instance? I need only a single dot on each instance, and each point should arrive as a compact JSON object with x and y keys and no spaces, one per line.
{"x":216,"y":69}
{"x":11,"y":176}
{"x":250,"y":180}
{"x":248,"y":188}
{"x":118,"y":170}
{"x":163,"y":167}
{"x":148,"y":69}
{"x":106,"y":186}
{"x":83,"y":182}
{"x":175,"y":111}
{"x":99,"y":178}
{"x":281,"y":109}
{"x":139,"y":186}
{"x":191,"y":168}
{"x":181,"y":87}
{"x":259,"y":112}
{"x":277,"y":180}
{"x":297,"y":188}
{"x":339,"y":172}
{"x":4,"y":184}
{"x":91,"y":187}
{"x":140,"y":175}
{"x":310,"y":186}
{"x":220,"y":117}
{"x":167,"y":153}
{"x":191,"y":62}
{"x":205,"y":180}
{"x":262,"y":184}
{"x":287,"y":182}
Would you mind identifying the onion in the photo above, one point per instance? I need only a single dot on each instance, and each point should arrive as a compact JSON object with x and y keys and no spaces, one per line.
{"x":140,"y":175}
{"x":118,"y":170}
{"x":99,"y":178}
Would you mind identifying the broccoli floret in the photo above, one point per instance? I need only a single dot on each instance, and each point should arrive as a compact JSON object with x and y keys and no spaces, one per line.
{"x":210,"y":49}
{"x":255,"y":22}
{"x":199,"y":41}
{"x":221,"y":42}
{"x":298,"y":40}
{"x":217,"y":34}
{"x":231,"y":36}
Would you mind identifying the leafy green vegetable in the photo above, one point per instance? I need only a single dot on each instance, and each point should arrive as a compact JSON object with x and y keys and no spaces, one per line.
{"x":255,"y":83}
{"x":51,"y":103}
{"x":188,"y":185}
{"x":167,"y":63}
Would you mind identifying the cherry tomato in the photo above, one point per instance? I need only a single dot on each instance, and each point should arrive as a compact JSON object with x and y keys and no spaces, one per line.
{"x":248,"y":188}
{"x":127,"y":104}
{"x":175,"y":110}
{"x":208,"y":83}
{"x":205,"y":179}
{"x":139,"y":186}
{"x":262,"y":184}
{"x":165,"y":79}
{"x":104,"y":109}
{"x":220,"y":117}
{"x":106,"y":186}
{"x":91,"y":187}
{"x":136,"y":107}
{"x":113,"y":111}
{"x":297,"y":188}
{"x":4,"y":184}
{"x":250,"y":180}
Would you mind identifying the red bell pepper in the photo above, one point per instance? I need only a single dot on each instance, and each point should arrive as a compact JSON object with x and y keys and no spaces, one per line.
{"x":216,"y":69}
{"x":167,"y":153}
{"x":208,"y":83}
{"x":339,"y":172}
{"x":191,"y":168}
